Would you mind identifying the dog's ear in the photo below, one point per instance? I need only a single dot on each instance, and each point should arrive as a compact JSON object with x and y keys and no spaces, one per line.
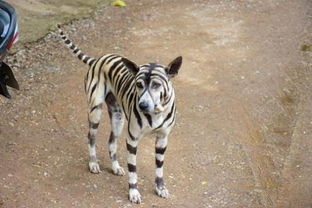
{"x":173,"y":67}
{"x":131,"y":66}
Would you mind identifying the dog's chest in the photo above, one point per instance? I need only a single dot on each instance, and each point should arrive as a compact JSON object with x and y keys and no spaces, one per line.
{"x":151,"y":122}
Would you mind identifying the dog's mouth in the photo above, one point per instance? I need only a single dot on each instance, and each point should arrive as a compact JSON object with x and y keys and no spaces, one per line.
{"x":158,"y":109}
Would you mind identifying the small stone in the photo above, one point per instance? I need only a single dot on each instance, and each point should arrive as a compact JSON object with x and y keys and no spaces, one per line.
{"x":204,"y":182}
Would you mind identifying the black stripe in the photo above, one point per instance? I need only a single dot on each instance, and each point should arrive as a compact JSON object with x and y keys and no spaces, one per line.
{"x":144,"y":91}
{"x":64,"y":38}
{"x":131,"y":149}
{"x":133,"y":186}
{"x":92,"y":76}
{"x":91,"y":62}
{"x":80,"y":55}
{"x":95,"y":107}
{"x":94,"y":125}
{"x":91,"y":139}
{"x":116,"y":76}
{"x":116,"y":82}
{"x":128,"y":88}
{"x":159,"y":163}
{"x":162,"y":77}
{"x":165,"y":95}
{"x":131,"y":168}
{"x":111,"y":138}
{"x":67,"y":41}
{"x":110,"y":58}
{"x":160,"y":150}
{"x":114,"y":157}
{"x":168,"y":116}
{"x":123,"y":108}
{"x":149,"y":119}
{"x":113,"y":68}
{"x":117,"y":70}
{"x":76,"y":50}
{"x":136,"y":113}
{"x":93,"y":70}
{"x":72,"y":47}
{"x":93,"y":89}
{"x":159,"y":182}
{"x":86,"y":59}
{"x":131,"y":136}
{"x":127,"y":85}
{"x":130,"y":98}
{"x":123,"y":79}
{"x":173,"y":118}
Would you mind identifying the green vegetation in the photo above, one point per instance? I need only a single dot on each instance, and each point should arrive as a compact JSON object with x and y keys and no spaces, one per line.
{"x":37,"y":18}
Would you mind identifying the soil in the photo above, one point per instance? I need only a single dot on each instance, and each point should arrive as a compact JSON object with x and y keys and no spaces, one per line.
{"x":242,"y":137}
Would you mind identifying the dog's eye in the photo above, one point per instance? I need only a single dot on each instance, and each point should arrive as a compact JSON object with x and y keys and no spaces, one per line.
{"x":155,"y":85}
{"x":139,"y":85}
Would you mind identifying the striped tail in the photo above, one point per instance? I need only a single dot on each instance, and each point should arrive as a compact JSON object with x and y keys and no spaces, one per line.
{"x":76,"y":51}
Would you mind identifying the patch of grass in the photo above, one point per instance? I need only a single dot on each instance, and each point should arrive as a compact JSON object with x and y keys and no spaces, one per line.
{"x":36,"y":21}
{"x":305,"y":48}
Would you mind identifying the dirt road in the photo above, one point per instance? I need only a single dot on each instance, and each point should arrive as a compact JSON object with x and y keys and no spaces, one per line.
{"x":244,"y":97}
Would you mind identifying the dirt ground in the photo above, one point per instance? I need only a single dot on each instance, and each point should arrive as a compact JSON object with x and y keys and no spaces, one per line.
{"x":243,"y":132}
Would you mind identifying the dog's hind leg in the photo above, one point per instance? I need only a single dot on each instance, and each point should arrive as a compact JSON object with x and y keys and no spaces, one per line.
{"x":116,"y":115}
{"x":94,"y":121}
{"x":96,"y":100}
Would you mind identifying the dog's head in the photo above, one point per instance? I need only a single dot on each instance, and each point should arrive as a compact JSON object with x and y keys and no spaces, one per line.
{"x":152,"y":82}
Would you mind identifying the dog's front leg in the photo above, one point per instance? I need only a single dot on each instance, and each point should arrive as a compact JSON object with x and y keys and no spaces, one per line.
{"x":134,"y":194}
{"x":160,"y":148}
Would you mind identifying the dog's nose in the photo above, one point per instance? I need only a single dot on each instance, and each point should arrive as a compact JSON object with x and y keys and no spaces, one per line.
{"x":143,"y":106}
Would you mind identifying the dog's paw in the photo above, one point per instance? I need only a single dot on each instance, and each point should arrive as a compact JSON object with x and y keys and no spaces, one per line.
{"x":118,"y":171}
{"x":135,"y":196}
{"x":94,"y":167}
{"x":162,"y":191}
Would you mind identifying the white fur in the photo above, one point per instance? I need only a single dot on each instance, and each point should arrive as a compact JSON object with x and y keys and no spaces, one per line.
{"x":162,"y":192}
{"x":92,"y":151}
{"x":135,"y":196}
{"x":159,"y":172}
{"x":117,"y":170}
{"x":94,"y":167}
{"x":133,"y":177}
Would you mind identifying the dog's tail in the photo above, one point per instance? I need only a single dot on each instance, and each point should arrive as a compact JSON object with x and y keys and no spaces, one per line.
{"x":74,"y":49}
